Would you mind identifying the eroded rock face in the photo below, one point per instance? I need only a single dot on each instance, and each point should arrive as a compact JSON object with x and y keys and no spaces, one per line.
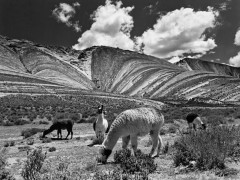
{"x":29,"y":67}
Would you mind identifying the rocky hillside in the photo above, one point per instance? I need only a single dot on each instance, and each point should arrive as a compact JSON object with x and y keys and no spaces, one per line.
{"x":28,"y":67}
{"x":197,"y":64}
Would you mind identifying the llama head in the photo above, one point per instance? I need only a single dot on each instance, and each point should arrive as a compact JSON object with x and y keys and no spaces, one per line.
{"x":103,"y":155}
{"x":45,"y":133}
{"x":100,"y":109}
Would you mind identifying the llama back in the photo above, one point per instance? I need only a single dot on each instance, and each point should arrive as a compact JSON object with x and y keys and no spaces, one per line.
{"x":63,"y":123}
{"x":137,"y":120}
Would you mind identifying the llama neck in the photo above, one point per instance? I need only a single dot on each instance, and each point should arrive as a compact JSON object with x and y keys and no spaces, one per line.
{"x":111,"y":139}
{"x":48,"y":130}
{"x":100,"y":117}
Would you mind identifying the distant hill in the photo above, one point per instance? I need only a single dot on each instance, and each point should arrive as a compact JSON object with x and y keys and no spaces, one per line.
{"x":197,"y":64}
{"x":27,"y":67}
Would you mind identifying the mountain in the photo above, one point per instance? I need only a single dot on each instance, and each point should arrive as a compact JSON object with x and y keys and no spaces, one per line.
{"x":197,"y":64}
{"x":27,"y":67}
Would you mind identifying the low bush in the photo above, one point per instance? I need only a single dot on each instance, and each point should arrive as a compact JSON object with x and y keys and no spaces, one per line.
{"x":163,"y":131}
{"x":51,"y":149}
{"x":140,"y":163}
{"x":30,"y":141}
{"x":8,"y":123}
{"x":119,"y":175}
{"x":43,"y":122}
{"x":209,"y":148}
{"x":21,"y":122}
{"x":172,"y":129}
{"x":9,"y":143}
{"x":166,"y":148}
{"x":33,"y":165}
{"x":4,"y":174}
{"x":30,"y":132}
{"x":46,"y":140}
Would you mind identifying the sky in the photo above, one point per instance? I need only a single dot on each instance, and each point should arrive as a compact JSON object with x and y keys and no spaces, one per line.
{"x":167,"y":29}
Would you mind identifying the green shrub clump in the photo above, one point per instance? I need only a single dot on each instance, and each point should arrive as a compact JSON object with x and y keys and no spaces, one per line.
{"x":51,"y":149}
{"x":33,"y":165}
{"x":30,"y":132}
{"x":209,"y":149}
{"x":140,"y":163}
{"x":4,"y":174}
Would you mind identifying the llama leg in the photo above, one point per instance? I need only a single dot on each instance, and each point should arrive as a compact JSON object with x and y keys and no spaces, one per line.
{"x":154,"y":136}
{"x":59,"y":133}
{"x":134,"y":143}
{"x":67,"y":134}
{"x":71,"y":134}
{"x":125,"y":141}
{"x":160,"y":143}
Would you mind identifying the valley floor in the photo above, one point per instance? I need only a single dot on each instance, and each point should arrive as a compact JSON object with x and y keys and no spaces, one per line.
{"x":79,"y":156}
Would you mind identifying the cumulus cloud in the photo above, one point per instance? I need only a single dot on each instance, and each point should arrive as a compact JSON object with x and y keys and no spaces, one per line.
{"x":64,"y":13}
{"x":76,"y":4}
{"x":237,"y":38}
{"x":235,"y":61}
{"x":178,"y":32}
{"x":112,"y":26}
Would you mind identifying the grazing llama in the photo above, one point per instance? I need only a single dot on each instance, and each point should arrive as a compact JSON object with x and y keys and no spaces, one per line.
{"x":59,"y":125}
{"x":194,"y":120}
{"x":100,"y":126}
{"x":129,"y":125}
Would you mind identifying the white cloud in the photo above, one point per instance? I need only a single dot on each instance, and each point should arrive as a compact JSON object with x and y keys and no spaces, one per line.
{"x":178,"y":32}
{"x":112,"y":26}
{"x":76,"y":4}
{"x":64,"y":14}
{"x":237,"y":38}
{"x":235,"y":61}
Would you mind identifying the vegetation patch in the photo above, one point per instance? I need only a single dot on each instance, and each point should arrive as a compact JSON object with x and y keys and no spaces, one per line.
{"x":4,"y":174}
{"x":140,"y":163}
{"x":30,"y":132}
{"x":208,"y":149}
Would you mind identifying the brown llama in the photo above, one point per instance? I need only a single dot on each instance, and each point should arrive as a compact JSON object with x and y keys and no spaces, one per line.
{"x":59,"y":125}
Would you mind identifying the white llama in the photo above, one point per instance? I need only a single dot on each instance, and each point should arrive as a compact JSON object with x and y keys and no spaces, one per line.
{"x":129,"y":125}
{"x":100,"y":126}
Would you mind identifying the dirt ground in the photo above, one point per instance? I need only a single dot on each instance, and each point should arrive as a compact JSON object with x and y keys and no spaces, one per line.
{"x":77,"y":153}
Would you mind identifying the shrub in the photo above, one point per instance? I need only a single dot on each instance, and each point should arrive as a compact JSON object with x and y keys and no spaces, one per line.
{"x":43,"y":122}
{"x":12,"y":143}
{"x":172,"y":129}
{"x":31,"y":131}
{"x":6,"y":144}
{"x":140,"y":163}
{"x":51,"y":149}
{"x":166,"y":148}
{"x":33,"y":165}
{"x":163,"y":131}
{"x":4,"y":174}
{"x":46,"y":140}
{"x":227,"y":172}
{"x":8,"y":123}
{"x":9,"y":143}
{"x":61,"y":170}
{"x":208,"y":149}
{"x":30,"y":141}
{"x":21,"y":122}
{"x":119,"y":175}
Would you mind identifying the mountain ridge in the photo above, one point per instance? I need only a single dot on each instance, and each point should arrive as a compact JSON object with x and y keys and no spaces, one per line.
{"x":113,"y":70}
